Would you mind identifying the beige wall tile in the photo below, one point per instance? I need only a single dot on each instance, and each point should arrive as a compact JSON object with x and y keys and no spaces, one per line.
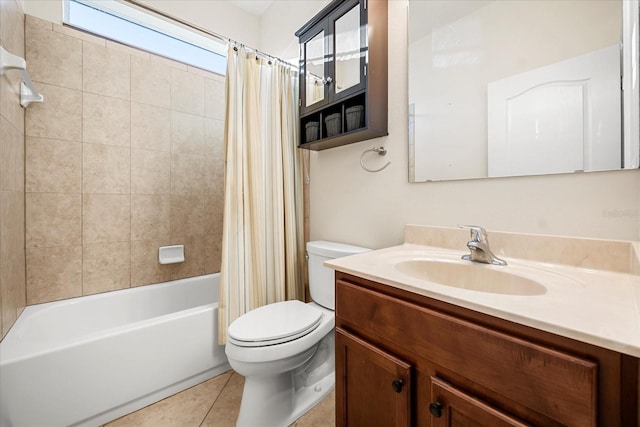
{"x":212,"y":253}
{"x":37,"y":22}
{"x":106,"y":120}
{"x":187,"y":215}
{"x":60,"y":117}
{"x":187,"y":134}
{"x":214,"y":175}
{"x":214,"y":99}
{"x":106,"y":267}
{"x":12,"y":290}
{"x":53,"y":273}
{"x":203,"y":73}
{"x":187,"y":92}
{"x":53,"y":166}
{"x":106,"y":169}
{"x":105,"y":71}
{"x":214,"y":209}
{"x":150,"y":82}
{"x":150,"y":127}
{"x":126,"y":49}
{"x":53,"y":220}
{"x":150,"y":172}
{"x":12,"y":239}
{"x":11,"y":157}
{"x":150,"y":217}
{"x":194,"y":257}
{"x":214,"y":137}
{"x":187,"y":174}
{"x":106,"y":218}
{"x":166,"y":62}
{"x":78,"y":34}
{"x":53,"y":58}
{"x":145,"y":268}
{"x":10,"y":107}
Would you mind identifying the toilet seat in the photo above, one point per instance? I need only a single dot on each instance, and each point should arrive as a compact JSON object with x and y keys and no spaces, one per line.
{"x":274,"y":324}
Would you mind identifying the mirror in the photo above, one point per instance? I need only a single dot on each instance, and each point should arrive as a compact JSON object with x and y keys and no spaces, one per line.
{"x":509,"y":88}
{"x":315,"y":69}
{"x":347,"y":29}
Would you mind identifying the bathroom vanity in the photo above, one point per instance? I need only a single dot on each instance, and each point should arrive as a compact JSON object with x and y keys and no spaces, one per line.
{"x":413,"y":352}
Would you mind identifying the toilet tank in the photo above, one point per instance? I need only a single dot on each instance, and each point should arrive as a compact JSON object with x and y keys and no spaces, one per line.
{"x":321,"y":278}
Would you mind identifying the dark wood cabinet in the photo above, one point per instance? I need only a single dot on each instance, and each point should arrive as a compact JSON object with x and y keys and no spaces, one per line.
{"x":472,"y":369}
{"x":376,"y":384}
{"x":452,"y":407}
{"x":343,"y":74}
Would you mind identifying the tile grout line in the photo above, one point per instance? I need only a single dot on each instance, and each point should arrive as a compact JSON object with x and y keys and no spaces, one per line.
{"x":217,"y":397}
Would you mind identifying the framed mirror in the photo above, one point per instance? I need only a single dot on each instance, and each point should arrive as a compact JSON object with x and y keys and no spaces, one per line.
{"x":530,"y":87}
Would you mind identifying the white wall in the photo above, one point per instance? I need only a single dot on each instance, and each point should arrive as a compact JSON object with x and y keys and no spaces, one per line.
{"x":218,"y":16}
{"x":280,"y":22}
{"x":354,"y":206}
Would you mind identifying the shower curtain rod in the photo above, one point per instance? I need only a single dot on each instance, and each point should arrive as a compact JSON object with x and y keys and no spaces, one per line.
{"x":217,"y":36}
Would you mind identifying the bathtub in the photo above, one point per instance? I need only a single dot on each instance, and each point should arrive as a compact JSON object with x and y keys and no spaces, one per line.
{"x":89,"y":360}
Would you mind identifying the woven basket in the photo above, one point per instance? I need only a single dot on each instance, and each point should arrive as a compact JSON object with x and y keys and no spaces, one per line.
{"x":311,"y":131}
{"x":333,"y":124}
{"x":355,"y":117}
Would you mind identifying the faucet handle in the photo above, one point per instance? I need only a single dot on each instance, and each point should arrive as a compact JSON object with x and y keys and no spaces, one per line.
{"x":478,"y":234}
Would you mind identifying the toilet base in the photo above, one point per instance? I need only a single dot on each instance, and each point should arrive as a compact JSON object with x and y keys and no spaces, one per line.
{"x":272,"y":402}
{"x":278,"y":400}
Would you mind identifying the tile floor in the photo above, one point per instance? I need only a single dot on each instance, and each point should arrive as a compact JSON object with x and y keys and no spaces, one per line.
{"x":213,"y":403}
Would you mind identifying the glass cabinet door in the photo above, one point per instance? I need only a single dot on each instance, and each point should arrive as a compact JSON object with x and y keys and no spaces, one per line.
{"x":348,"y":53}
{"x":314,"y":65}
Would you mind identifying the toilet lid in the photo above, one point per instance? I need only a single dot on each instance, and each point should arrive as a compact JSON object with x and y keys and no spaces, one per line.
{"x":274,"y":324}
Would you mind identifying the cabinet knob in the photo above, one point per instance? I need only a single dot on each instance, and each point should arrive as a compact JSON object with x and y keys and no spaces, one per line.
{"x":436,"y":409}
{"x":397,"y":385}
{"x":328,"y":81}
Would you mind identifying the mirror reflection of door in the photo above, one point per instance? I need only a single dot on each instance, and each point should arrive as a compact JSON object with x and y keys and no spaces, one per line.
{"x":314,"y":66}
{"x":504,"y":88}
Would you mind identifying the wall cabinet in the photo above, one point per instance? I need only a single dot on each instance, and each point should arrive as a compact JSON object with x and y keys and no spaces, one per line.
{"x":463,"y":368}
{"x":343,"y":74}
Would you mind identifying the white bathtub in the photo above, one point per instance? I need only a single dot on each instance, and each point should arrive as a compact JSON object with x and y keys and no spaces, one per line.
{"x":89,"y":360}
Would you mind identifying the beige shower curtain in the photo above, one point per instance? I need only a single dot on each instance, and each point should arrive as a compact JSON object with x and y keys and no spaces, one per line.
{"x":262,"y":241}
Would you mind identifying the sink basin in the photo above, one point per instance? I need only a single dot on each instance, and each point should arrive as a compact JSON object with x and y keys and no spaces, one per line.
{"x":471,"y":276}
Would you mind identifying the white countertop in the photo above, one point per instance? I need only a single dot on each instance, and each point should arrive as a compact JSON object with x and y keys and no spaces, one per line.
{"x":595,"y":306}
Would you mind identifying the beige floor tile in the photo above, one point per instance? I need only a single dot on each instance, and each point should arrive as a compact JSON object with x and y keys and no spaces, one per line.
{"x":225,"y":409}
{"x":322,"y":415}
{"x":185,"y":409}
{"x":214,"y":403}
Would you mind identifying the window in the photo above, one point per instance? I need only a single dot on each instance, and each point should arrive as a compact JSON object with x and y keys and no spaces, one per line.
{"x":133,"y":27}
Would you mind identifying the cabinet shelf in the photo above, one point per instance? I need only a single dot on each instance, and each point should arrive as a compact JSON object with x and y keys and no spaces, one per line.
{"x":343,"y":75}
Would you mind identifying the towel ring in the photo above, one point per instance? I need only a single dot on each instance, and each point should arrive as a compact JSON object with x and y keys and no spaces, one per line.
{"x":381,"y":151}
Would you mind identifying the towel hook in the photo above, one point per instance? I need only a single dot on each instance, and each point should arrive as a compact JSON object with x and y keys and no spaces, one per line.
{"x":381,"y":151}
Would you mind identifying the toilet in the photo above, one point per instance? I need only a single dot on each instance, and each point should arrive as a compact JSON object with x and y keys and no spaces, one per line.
{"x":286,"y":350}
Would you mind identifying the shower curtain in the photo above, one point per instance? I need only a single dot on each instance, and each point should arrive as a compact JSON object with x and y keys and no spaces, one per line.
{"x":262,"y":242}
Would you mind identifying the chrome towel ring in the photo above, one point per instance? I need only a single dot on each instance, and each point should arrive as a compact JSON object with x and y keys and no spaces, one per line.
{"x":381,"y":151}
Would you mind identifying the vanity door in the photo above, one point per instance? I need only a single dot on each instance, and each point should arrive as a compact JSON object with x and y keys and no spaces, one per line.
{"x":373,"y":387}
{"x":451,"y":407}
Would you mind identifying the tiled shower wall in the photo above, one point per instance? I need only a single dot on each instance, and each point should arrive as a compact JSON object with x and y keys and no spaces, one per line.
{"x":124,"y":156}
{"x":12,"y":254}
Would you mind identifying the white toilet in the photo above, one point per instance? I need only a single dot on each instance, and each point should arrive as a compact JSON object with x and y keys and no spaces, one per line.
{"x":286,"y":350}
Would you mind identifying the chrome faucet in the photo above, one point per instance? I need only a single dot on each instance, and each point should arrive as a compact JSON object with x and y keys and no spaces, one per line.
{"x":479,"y":247}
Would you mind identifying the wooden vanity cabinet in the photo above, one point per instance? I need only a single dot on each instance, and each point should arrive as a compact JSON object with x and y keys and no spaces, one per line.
{"x":459,"y":367}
